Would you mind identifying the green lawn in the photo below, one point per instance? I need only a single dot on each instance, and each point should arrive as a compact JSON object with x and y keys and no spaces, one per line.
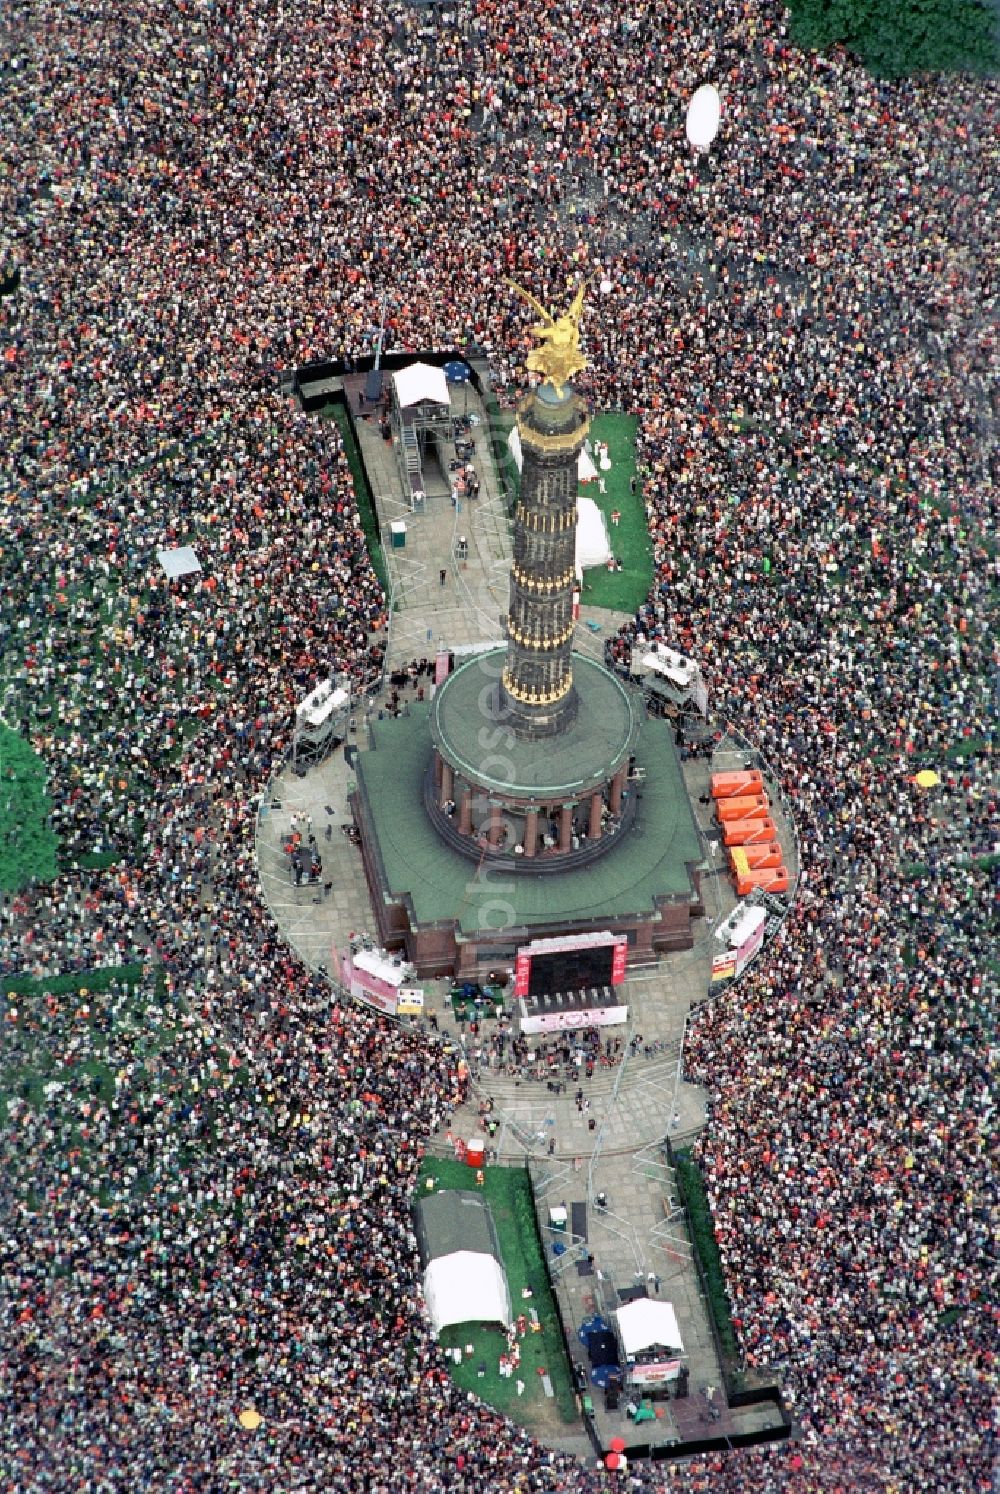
{"x":94,"y":620}
{"x":27,"y":844}
{"x":58,"y":985}
{"x":624,"y":590}
{"x":337,"y":412}
{"x":508,"y":1193}
{"x":691,"y":1186}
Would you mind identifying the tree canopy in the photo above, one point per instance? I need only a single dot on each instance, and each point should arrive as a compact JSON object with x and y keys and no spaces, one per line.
{"x":895,"y":38}
{"x":27,"y":845}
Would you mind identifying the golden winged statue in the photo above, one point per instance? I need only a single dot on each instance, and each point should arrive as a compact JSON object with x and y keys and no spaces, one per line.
{"x":558,"y":356}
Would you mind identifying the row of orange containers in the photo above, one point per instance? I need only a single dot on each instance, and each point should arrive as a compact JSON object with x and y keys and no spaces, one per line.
{"x":770,"y":881}
{"x":758,"y":865}
{"x":744,"y":813}
{"x":749,"y":832}
{"x":757,"y":857}
{"x":745,"y":807}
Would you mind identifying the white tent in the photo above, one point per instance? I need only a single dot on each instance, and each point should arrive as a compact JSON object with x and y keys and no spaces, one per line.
{"x":677,"y":668}
{"x":466,"y":1287}
{"x":645,"y":1325}
{"x":420,"y":382}
{"x":744,"y":920}
{"x":592,"y":544}
{"x":585,"y":469}
{"x":180,"y":562}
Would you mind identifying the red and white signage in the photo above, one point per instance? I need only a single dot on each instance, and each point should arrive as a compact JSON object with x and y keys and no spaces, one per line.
{"x":377,"y":978}
{"x":724,"y":965}
{"x":746,"y":951}
{"x":646,"y":1374}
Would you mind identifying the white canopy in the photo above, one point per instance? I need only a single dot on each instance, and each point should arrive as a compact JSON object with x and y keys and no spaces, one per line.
{"x":675,"y":667}
{"x":383,"y":966}
{"x":180,"y":562}
{"x":592,"y":545}
{"x":320,"y":704}
{"x":419,"y":382}
{"x":748,"y":923}
{"x":744,"y":920}
{"x":466,"y":1287}
{"x":585,"y":469}
{"x":647,"y":1324}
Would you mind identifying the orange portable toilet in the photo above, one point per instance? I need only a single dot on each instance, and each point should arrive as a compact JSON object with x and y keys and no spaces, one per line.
{"x":760,"y":857}
{"x":774,"y":879}
{"x":728,"y":785}
{"x":750,"y":858}
{"x":741,"y":809}
{"x":748,"y":832}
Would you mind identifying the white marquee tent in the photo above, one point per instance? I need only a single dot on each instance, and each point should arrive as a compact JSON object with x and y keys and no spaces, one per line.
{"x":592,"y":544}
{"x":647,"y":1325}
{"x":419,"y":383}
{"x":464,"y":1278}
{"x":466,"y":1287}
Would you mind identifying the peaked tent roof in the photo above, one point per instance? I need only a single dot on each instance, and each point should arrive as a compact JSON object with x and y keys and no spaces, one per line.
{"x":592,"y":545}
{"x":455,"y":1219}
{"x":419,"y":382}
{"x":647,"y":1324}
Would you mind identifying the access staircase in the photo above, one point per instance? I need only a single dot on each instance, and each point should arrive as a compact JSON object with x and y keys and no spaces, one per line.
{"x":413,"y":476}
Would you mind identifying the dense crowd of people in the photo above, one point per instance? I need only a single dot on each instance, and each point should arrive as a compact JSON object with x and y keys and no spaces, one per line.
{"x":207,"y":1164}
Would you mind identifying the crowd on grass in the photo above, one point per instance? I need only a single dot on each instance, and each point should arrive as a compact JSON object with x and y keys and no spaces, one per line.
{"x":206,"y":1169}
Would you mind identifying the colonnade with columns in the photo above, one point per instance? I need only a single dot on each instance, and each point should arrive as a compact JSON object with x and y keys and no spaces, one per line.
{"x":529,"y":827}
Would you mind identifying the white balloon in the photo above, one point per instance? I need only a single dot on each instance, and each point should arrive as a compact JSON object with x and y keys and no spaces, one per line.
{"x":703,"y":114}
{"x":605,"y":287}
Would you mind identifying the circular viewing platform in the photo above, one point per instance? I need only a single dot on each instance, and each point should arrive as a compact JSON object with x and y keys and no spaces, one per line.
{"x":468,"y":728}
{"x":531,"y":797}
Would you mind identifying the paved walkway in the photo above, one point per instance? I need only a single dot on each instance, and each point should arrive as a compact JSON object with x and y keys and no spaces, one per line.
{"x":467,"y":607}
{"x":612,"y":1145}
